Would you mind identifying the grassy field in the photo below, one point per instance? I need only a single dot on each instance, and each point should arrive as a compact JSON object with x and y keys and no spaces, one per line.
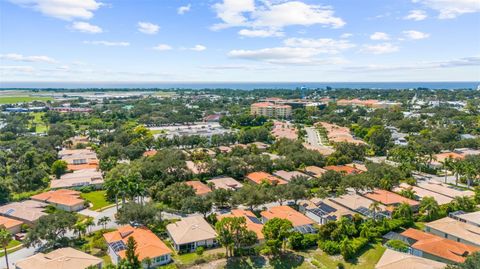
{"x":22,"y":99}
{"x":97,"y":198}
{"x":37,"y":120}
{"x":12,"y":244}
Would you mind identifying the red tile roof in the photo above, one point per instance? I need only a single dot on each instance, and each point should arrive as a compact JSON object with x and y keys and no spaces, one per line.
{"x":200,"y":188}
{"x":259,"y":177}
{"x":286,"y":212}
{"x":389,"y":198}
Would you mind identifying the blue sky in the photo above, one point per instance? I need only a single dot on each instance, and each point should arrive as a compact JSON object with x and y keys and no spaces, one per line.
{"x":239,"y":40}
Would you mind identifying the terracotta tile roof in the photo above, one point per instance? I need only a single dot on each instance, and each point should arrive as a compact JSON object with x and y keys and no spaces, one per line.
{"x":397,"y":260}
{"x":9,"y":223}
{"x":286,"y":212}
{"x":252,"y":222}
{"x":343,"y":169}
{"x":149,"y":153}
{"x":62,"y":197}
{"x":62,"y":258}
{"x":389,"y":198}
{"x":76,"y":167}
{"x":441,"y":157}
{"x":259,"y":177}
{"x":148,"y":244}
{"x":191,"y":229}
{"x":438,"y":246}
{"x":200,"y":188}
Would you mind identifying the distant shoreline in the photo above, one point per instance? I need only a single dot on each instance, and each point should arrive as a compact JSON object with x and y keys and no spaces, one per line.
{"x":239,"y":85}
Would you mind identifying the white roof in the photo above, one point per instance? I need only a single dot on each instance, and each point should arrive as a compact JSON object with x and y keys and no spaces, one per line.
{"x":420,"y":192}
{"x":78,"y":178}
{"x":190,"y":229}
{"x":465,"y":231}
{"x":226,"y":183}
{"x":27,"y":210}
{"x":446,"y":190}
{"x":59,"y":259}
{"x":473,"y":217}
{"x":397,"y":260}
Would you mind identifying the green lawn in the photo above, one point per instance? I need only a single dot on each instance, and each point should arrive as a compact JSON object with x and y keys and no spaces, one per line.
{"x":97,"y":198}
{"x":22,"y":99}
{"x":367,"y":260}
{"x":291,"y":261}
{"x":12,"y":244}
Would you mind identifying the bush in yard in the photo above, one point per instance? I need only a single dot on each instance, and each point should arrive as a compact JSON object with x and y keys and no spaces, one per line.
{"x":199,"y":251}
{"x":309,"y":240}
{"x":340,"y":265}
{"x":295,"y":240}
{"x":346,"y":249}
{"x":329,"y":247}
{"x":397,"y":245}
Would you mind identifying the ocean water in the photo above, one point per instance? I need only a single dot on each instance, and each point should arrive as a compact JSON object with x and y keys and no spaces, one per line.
{"x":243,"y":85}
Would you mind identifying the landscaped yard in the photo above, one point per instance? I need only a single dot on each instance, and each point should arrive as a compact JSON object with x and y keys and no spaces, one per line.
{"x":97,"y":199}
{"x":22,"y":99}
{"x":12,"y":244}
{"x":367,"y":260}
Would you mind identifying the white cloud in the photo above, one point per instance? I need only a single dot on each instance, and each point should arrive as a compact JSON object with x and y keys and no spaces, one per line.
{"x":108,"y":43}
{"x":16,"y":69}
{"x":231,"y":12}
{"x":148,"y":28}
{"x":301,"y":51}
{"x":86,"y":27}
{"x":346,"y":35}
{"x":22,"y":58}
{"x":62,"y":9}
{"x":412,"y":34}
{"x":416,"y":15}
{"x":460,"y":62}
{"x":273,"y":16}
{"x":162,"y":47}
{"x":260,"y":33}
{"x":449,"y":9}
{"x":380,"y":48}
{"x":198,"y":48}
{"x":322,"y":45}
{"x":379,"y":36}
{"x":184,"y":9}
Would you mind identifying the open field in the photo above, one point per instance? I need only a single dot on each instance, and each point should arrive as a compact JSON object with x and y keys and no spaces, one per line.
{"x":21,"y":99}
{"x":40,"y":126}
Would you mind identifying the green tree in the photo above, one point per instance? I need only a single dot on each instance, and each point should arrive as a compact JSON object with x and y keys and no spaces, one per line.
{"x":131,"y":256}
{"x":51,"y":229}
{"x":59,"y":167}
{"x":5,"y":238}
{"x":232,"y":233}
{"x":430,"y":207}
{"x":276,"y":232}
{"x":403,"y":211}
{"x":103,"y":221}
{"x":471,"y":262}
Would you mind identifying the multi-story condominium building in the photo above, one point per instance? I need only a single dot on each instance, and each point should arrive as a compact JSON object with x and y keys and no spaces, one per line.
{"x":271,"y":110}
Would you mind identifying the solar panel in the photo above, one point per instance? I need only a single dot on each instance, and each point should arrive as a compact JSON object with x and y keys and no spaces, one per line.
{"x":118,"y":246}
{"x":254,"y":220}
{"x":10,"y":211}
{"x":326,"y":208}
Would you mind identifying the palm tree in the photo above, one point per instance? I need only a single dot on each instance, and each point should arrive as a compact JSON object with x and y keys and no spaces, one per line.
{"x":5,"y":238}
{"x":103,"y":221}
{"x":375,"y":207}
{"x":404,"y":211}
{"x":408,"y":193}
{"x":89,"y":222}
{"x":447,"y":164}
{"x":80,"y":228}
{"x":430,"y":206}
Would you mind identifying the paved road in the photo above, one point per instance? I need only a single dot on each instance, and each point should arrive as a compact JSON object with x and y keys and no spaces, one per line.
{"x":312,"y":136}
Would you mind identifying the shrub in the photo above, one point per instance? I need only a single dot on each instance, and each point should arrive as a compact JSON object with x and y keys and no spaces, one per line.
{"x":295,"y":240}
{"x":329,"y":247}
{"x":316,"y":263}
{"x":199,"y":251}
{"x":397,"y":245}
{"x":309,"y":240}
{"x":340,"y":265}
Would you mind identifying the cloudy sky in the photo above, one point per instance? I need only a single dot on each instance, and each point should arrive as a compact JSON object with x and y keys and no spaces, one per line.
{"x":239,"y":40}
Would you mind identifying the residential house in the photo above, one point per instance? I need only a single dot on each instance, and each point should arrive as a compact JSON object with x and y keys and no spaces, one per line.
{"x":196,"y":167}
{"x":148,"y":245}
{"x":472,"y":218}
{"x":343,"y":169}
{"x":199,"y":187}
{"x":440,"y":158}
{"x":259,"y":145}
{"x":437,"y":248}
{"x":323,"y":210}
{"x":68,"y":200}
{"x":78,"y":159}
{"x":28,"y":211}
{"x":252,"y":222}
{"x":149,"y":153}
{"x":314,"y":171}
{"x":191,"y":232}
{"x":420,"y":193}
{"x":390,"y":199}
{"x":260,"y":177}
{"x":443,"y":189}
{"x":455,"y":230}
{"x":301,"y":223}
{"x":12,"y":225}
{"x":224,"y":182}
{"x":60,"y":258}
{"x":284,"y":130}
{"x":78,"y":179}
{"x":398,"y":260}
{"x":289,"y":175}
{"x":360,"y":204}
{"x":338,"y":134}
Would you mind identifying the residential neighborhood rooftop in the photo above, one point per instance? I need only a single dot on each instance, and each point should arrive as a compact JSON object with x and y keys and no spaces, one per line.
{"x":259,"y":177}
{"x":289,"y":175}
{"x":78,"y":178}
{"x":199,"y":187}
{"x":389,"y":198}
{"x":191,"y":229}
{"x":62,"y":196}
{"x":63,"y":258}
{"x":398,"y":260}
{"x":456,"y":228}
{"x":28,"y":210}
{"x":252,"y":222}
{"x":286,"y":212}
{"x":227,"y":183}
